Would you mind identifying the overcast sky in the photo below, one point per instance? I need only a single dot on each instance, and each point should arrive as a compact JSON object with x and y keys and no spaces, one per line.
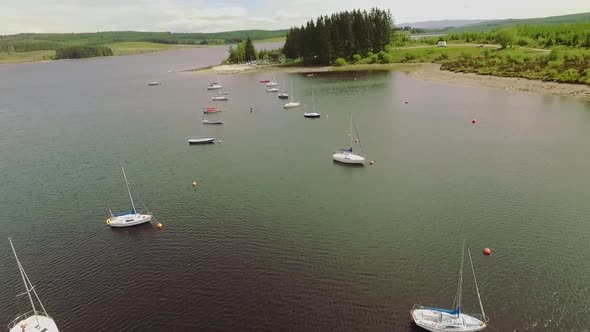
{"x":223,"y":15}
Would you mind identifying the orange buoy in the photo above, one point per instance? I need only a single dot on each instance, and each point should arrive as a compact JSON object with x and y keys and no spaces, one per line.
{"x":159,"y":225}
{"x":487,"y":251}
{"x":371,"y":162}
{"x":194,"y":183}
{"x":473,"y":121}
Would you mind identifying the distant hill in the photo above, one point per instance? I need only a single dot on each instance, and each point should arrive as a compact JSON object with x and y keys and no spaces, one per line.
{"x":442,"y":24}
{"x":495,"y":24}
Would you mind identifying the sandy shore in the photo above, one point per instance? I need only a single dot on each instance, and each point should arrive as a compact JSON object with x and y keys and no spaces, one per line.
{"x":432,"y":72}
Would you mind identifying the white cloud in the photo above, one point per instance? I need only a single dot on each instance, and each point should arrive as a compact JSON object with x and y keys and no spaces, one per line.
{"x":222,"y":15}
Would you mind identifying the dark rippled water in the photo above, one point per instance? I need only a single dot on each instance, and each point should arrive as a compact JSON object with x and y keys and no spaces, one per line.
{"x":276,"y":236}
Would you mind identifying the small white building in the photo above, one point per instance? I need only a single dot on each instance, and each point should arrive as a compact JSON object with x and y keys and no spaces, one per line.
{"x":441,"y":43}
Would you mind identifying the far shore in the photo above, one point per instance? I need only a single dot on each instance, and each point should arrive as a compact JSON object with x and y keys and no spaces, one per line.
{"x":430,"y":72}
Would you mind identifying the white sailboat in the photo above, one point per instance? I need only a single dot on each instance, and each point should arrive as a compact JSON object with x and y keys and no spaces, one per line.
{"x":292,"y":103}
{"x":129,"y":218}
{"x":273,"y":82}
{"x":346,"y":156}
{"x":314,"y":114}
{"x":215,"y":85}
{"x":32,"y":321}
{"x":443,"y":320}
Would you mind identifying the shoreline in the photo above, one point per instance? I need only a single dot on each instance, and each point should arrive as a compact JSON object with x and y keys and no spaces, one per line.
{"x":431,"y":72}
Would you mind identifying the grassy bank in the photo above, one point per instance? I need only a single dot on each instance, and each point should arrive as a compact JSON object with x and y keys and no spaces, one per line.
{"x":127,"y":48}
{"x":123,"y":48}
{"x":32,"y":56}
{"x":564,"y":65}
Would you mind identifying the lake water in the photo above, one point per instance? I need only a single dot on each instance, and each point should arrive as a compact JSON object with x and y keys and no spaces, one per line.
{"x":276,"y":236}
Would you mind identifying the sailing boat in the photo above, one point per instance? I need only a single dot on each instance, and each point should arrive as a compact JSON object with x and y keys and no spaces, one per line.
{"x":33,"y":320}
{"x":215,"y":85}
{"x":292,"y":103}
{"x":273,"y":82}
{"x":129,"y":218}
{"x":440,"y":320}
{"x":313,"y":115}
{"x":346,"y":156}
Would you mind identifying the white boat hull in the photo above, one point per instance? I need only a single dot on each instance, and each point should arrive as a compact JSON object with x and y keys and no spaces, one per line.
{"x":210,"y":140}
{"x":291,"y":105}
{"x":219,"y":98}
{"x":348,"y":158}
{"x":214,"y":87}
{"x":437,"y":321}
{"x":129,"y":220}
{"x":312,"y":115}
{"x":271,"y":84}
{"x":29,"y":320}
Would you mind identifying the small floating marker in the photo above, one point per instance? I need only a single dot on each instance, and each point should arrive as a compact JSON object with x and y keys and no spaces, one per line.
{"x":159,"y":225}
{"x":487,"y":251}
{"x":219,"y":141}
{"x":326,"y":116}
{"x":371,"y":162}
{"x":194,"y":183}
{"x":108,"y":221}
{"x":473,"y":121}
{"x":356,"y":140}
{"x":406,"y":102}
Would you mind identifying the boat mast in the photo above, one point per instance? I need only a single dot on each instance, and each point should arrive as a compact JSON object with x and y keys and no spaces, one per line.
{"x":292,"y":98}
{"x":128,"y":190}
{"x":350,"y":131}
{"x":22,"y":274}
{"x":460,"y":286}
{"x":476,"y":287}
{"x":312,"y":101}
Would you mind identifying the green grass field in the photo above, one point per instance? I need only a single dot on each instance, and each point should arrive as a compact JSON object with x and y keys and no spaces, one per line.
{"x":32,"y":56}
{"x":127,"y":48}
{"x":272,"y":40}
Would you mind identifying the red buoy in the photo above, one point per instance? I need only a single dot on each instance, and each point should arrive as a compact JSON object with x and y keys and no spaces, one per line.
{"x":473,"y":121}
{"x":487,"y":251}
{"x":194,"y":183}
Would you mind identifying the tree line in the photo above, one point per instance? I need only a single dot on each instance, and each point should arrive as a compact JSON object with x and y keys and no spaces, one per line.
{"x":340,"y":35}
{"x":246,"y":52}
{"x":79,"y":52}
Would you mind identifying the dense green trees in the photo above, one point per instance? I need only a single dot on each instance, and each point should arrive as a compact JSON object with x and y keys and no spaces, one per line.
{"x":340,"y":35}
{"x":505,"y":37}
{"x":78,"y":52}
{"x":249,"y":50}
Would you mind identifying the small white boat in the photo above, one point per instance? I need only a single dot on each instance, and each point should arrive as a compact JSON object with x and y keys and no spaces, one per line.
{"x":32,"y":321}
{"x":153,"y":83}
{"x":223,"y":93}
{"x":219,"y":98}
{"x":283,"y":95}
{"x":310,"y":75}
{"x":292,"y":103}
{"x":213,"y":122}
{"x":201,"y":140}
{"x":312,"y":115}
{"x":129,"y":218}
{"x":346,"y":156}
{"x":273,"y":82}
{"x":443,"y":320}
{"x":272,"y":90}
{"x":214,"y":86}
